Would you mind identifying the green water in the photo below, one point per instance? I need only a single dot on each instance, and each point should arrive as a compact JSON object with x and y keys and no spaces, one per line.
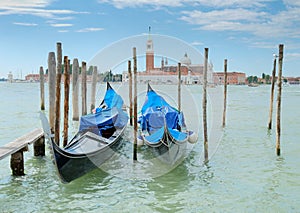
{"x":243,"y":174}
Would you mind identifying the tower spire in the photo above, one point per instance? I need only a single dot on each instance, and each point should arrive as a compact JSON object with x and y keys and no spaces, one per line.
{"x":149,"y":33}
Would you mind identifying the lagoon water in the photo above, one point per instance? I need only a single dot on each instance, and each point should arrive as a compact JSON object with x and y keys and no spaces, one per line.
{"x":243,"y":174}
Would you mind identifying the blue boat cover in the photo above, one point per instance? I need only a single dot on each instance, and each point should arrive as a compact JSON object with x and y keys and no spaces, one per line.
{"x":112,"y":99}
{"x":156,"y":111}
{"x":156,"y":136}
{"x":104,"y":118}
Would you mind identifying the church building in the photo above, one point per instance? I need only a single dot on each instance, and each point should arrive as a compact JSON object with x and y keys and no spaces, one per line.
{"x":168,"y":73}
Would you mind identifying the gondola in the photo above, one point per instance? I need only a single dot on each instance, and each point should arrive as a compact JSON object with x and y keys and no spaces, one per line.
{"x":162,"y":128}
{"x":96,"y":141}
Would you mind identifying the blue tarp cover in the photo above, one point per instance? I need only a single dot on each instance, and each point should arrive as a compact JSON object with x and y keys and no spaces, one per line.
{"x":159,"y":133}
{"x":156,"y":111}
{"x":112,"y":99}
{"x":111,"y":116}
{"x":156,"y":136}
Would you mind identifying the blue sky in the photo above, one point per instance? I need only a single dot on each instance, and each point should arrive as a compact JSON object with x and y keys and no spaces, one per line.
{"x":246,"y":32}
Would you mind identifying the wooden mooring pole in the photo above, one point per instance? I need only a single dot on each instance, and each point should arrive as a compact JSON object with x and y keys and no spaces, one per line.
{"x":83,"y":88}
{"x":17,"y":162}
{"x":135,"y":105}
{"x":130,"y":92}
{"x":179,"y":87}
{"x":66,"y":99}
{"x":272,"y":93}
{"x":75,"y":88}
{"x":51,"y":84}
{"x":93,"y":88}
{"x":42,"y":88}
{"x":278,"y":114}
{"x":39,"y":147}
{"x":225,"y":92}
{"x":204,"y":106}
{"x":57,"y":99}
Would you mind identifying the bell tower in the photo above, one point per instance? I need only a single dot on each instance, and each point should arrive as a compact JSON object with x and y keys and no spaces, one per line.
{"x":149,"y":54}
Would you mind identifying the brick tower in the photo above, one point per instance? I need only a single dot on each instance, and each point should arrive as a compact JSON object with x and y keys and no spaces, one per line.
{"x":149,"y":54}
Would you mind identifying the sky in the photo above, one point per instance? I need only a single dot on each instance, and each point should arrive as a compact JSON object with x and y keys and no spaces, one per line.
{"x":245,"y":32}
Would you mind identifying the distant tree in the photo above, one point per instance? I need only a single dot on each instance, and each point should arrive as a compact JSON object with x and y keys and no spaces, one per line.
{"x":250,"y":79}
{"x":255,"y":79}
{"x":268,"y":79}
{"x":71,"y":69}
{"x":90,"y":71}
{"x":263,"y":76}
{"x":106,"y":76}
{"x":111,"y":76}
{"x":285,"y":80}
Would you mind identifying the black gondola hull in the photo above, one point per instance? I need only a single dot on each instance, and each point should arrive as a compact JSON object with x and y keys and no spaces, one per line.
{"x":72,"y":166}
{"x":168,"y":149}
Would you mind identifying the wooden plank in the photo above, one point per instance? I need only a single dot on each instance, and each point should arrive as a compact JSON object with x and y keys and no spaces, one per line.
{"x":20,"y":143}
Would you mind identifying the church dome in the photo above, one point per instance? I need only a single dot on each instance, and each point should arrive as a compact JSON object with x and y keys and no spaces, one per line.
{"x":186,"y":60}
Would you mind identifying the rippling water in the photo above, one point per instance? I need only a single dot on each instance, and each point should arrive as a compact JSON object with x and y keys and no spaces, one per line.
{"x":243,"y":175}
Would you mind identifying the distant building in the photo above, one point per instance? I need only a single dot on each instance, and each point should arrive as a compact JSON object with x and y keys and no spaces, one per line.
{"x":293,"y":80}
{"x":32,"y":77}
{"x":10,"y":77}
{"x":36,"y":78}
{"x":236,"y":78}
{"x":167,"y":74}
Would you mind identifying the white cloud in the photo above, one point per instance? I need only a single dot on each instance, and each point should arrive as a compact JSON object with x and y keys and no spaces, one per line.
{"x":63,"y":18}
{"x":63,"y":31}
{"x":35,"y":8}
{"x":285,"y":23}
{"x":91,"y":29}
{"x":61,"y":25}
{"x":44,"y":13}
{"x":180,"y":3}
{"x":25,"y":24}
{"x":137,"y":3}
{"x":292,"y":2}
{"x":292,"y":56}
{"x":263,"y":44}
{"x":24,"y":3}
{"x":197,"y":43}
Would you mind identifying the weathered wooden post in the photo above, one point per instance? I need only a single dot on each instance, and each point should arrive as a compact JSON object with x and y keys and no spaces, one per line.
{"x":278,"y":117}
{"x":225,"y":92}
{"x":130,"y":92}
{"x":204,"y":103}
{"x":51,"y":84}
{"x":17,"y":162}
{"x":66,"y":99}
{"x":272,"y":92}
{"x":93,"y":88}
{"x":57,"y":99}
{"x":83,"y":88}
{"x":75,"y":88}
{"x":42,"y":88}
{"x":135,"y":105}
{"x":179,"y":87}
{"x":39,"y":147}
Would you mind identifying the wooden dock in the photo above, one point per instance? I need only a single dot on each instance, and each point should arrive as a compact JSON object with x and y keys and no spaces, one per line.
{"x":19,"y":145}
